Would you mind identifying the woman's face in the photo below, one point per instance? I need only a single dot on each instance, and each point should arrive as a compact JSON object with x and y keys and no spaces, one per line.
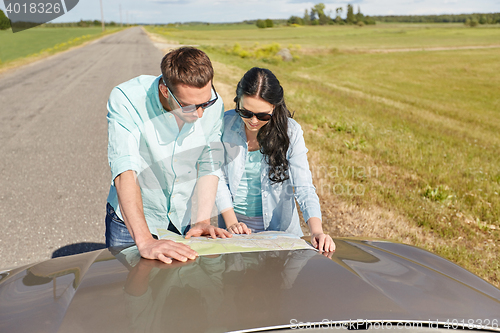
{"x":255,"y":104}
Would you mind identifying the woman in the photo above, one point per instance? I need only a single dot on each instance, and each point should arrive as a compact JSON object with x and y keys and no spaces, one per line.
{"x":266,"y":166}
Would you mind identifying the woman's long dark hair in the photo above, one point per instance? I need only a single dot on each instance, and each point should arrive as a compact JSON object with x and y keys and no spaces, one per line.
{"x":273,"y":136}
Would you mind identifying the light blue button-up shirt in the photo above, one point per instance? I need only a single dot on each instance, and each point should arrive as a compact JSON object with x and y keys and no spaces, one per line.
{"x":143,"y":137}
{"x":278,"y":200}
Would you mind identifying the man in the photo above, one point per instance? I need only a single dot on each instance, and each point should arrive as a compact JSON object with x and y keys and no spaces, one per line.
{"x":165,"y":155}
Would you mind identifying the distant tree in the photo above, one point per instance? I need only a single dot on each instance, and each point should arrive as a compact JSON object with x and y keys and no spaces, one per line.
{"x":351,"y":18}
{"x":307,"y":18}
{"x":312,"y":16}
{"x":319,"y":9}
{"x":269,"y":23}
{"x":483,"y":20}
{"x":260,"y":24}
{"x":4,"y":21}
{"x":360,"y":17}
{"x":338,"y":12}
{"x":471,"y":23}
{"x":369,"y":20}
{"x":295,"y":20}
{"x":324,"y":19}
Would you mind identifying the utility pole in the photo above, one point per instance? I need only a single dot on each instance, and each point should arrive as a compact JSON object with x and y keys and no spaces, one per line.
{"x":102,"y":17}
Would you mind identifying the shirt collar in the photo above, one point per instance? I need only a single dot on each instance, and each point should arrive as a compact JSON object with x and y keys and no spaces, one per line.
{"x":156,"y":95}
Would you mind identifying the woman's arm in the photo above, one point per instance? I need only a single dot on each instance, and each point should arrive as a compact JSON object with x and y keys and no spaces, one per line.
{"x":232,"y":224}
{"x":319,"y":239}
{"x":305,"y":192}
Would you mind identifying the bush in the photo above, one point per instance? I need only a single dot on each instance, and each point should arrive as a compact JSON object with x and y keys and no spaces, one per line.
{"x":4,"y":21}
{"x":269,"y":23}
{"x":369,"y":21}
{"x":266,"y":53}
{"x":295,"y":20}
{"x":260,"y":24}
{"x":471,"y":23}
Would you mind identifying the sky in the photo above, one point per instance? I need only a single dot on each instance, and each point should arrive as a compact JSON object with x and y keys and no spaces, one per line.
{"x":214,"y":11}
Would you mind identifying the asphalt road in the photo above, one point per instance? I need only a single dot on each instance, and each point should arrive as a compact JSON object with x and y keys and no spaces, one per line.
{"x":54,"y":174}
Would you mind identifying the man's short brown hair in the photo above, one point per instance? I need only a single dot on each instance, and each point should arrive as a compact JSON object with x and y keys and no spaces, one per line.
{"x":186,"y":65}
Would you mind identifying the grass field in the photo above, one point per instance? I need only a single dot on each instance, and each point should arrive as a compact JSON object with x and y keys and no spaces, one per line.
{"x":381,"y":36}
{"x":40,"y":41}
{"x":405,"y":145}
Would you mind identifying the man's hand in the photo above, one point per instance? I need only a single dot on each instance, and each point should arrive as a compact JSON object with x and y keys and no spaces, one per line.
{"x":239,"y":228}
{"x":165,"y":250}
{"x":324,"y":243}
{"x":200,"y":229}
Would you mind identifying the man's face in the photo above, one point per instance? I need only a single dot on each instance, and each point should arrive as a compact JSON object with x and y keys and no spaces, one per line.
{"x":187,"y":95}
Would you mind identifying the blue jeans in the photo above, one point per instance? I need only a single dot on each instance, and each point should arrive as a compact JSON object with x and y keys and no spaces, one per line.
{"x":116,"y":231}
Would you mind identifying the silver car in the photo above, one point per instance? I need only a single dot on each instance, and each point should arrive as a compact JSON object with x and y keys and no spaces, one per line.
{"x":365,"y":285}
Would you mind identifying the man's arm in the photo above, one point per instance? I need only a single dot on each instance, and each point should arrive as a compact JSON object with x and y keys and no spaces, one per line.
{"x":130,"y":201}
{"x":206,"y":189}
{"x":209,"y":172}
{"x":205,"y":192}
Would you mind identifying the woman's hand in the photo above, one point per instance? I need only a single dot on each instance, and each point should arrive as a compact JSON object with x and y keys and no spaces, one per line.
{"x":324,"y":243}
{"x":239,"y":228}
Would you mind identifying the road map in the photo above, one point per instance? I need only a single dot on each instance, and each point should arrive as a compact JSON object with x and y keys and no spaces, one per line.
{"x":262,"y":241}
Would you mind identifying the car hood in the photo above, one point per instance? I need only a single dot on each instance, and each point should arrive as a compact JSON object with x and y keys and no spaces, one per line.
{"x":107,"y":291}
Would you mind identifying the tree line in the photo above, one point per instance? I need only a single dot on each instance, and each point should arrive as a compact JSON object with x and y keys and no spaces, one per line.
{"x":81,"y":23}
{"x":318,"y":16}
{"x":468,"y":19}
{"x":5,"y":23}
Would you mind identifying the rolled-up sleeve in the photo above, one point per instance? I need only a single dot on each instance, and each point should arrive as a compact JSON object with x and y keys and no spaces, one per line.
{"x":123,"y":136}
{"x":223,"y":199}
{"x":305,"y":192}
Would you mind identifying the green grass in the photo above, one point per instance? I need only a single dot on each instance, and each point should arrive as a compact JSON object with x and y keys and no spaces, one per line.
{"x":382,"y":36}
{"x":38,"y":40}
{"x":421,"y":129}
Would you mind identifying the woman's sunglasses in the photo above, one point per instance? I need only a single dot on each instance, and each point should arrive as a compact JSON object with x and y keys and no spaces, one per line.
{"x":249,"y":114}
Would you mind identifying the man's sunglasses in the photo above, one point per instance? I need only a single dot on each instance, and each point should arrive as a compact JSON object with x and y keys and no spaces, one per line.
{"x":194,"y":107}
{"x":249,"y":114}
